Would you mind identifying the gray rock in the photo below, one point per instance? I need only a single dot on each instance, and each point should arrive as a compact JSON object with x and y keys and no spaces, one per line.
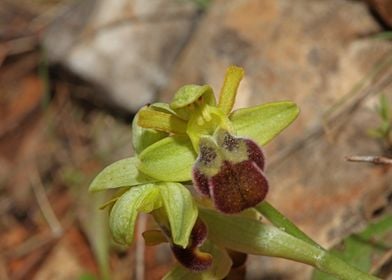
{"x":126,"y":47}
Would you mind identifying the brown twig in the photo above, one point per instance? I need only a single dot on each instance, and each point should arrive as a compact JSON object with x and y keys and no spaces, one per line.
{"x":370,"y":159}
{"x":34,"y":243}
{"x":384,"y":259}
{"x":44,"y":204}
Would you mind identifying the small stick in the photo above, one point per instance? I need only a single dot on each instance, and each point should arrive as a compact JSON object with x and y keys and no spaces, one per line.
{"x":370,"y":159}
{"x":385,"y":258}
{"x":44,"y":204}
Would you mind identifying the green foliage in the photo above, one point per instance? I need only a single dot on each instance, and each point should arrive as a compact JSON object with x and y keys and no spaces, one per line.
{"x":229,"y":90}
{"x":145,"y":198}
{"x":384,"y":111}
{"x":190,"y":94}
{"x":264,"y":122}
{"x":361,"y":249}
{"x":122,"y":173}
{"x":181,"y":210}
{"x":144,"y":137}
{"x":387,"y":35}
{"x":250,"y":236}
{"x":202,"y":4}
{"x":177,"y":201}
{"x":169,"y":159}
{"x":87,"y":276}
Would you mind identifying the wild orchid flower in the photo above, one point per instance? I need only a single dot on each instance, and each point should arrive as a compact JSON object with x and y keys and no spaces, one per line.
{"x":196,"y":139}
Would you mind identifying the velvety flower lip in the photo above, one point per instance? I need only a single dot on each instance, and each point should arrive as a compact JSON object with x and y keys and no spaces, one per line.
{"x":229,"y":169}
{"x":191,"y":257}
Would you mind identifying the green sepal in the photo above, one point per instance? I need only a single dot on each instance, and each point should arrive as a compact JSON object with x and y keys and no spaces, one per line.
{"x":262,"y":123}
{"x":162,"y":107}
{"x":221,"y":264}
{"x":122,"y":173}
{"x":169,"y":159}
{"x":109,"y":203}
{"x":181,"y":210}
{"x":228,"y":92}
{"x":191,"y":93}
{"x":161,"y":121}
{"x":144,"y":137}
{"x":145,"y":198}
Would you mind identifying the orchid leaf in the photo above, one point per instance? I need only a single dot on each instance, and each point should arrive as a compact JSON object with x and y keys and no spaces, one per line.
{"x":169,"y":159}
{"x":145,"y":198}
{"x":181,"y":210}
{"x":221,"y":264}
{"x":144,"y":137}
{"x":122,"y":173}
{"x":262,"y":123}
{"x":252,"y":237}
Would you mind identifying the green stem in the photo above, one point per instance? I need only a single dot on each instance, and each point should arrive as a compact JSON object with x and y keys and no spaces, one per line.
{"x":280,"y":221}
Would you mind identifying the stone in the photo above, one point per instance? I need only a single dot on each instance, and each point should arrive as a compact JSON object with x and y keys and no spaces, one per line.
{"x":127,"y":48}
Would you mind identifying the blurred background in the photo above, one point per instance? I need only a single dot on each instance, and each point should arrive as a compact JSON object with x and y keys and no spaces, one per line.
{"x":73,"y":73}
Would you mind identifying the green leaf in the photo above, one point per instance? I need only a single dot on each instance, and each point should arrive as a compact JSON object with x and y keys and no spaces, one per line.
{"x":181,"y":210}
{"x":252,"y":237}
{"x":191,"y":93}
{"x":221,"y":264}
{"x":169,"y":159}
{"x":145,"y":198}
{"x":262,"y":123}
{"x":363,"y":249}
{"x":144,"y":137}
{"x":122,"y":173}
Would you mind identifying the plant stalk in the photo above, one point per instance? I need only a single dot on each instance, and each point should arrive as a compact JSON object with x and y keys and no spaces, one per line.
{"x":283,"y":223}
